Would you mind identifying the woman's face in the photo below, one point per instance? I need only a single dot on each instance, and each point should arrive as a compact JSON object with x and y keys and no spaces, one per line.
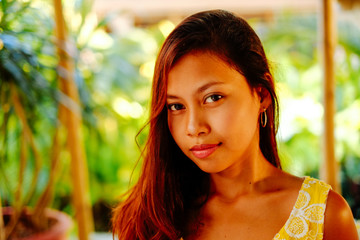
{"x":212,"y":112}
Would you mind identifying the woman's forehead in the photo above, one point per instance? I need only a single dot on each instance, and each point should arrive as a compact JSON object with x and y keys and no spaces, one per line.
{"x":198,"y":71}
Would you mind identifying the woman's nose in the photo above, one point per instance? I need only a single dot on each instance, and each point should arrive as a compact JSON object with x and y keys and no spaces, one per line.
{"x":196,"y":124}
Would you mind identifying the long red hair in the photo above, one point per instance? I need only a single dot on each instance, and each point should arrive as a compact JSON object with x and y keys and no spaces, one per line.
{"x":170,"y":184}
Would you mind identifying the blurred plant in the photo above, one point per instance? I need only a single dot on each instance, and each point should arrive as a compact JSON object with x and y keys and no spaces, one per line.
{"x":113,"y":73}
{"x":120,"y":88}
{"x":29,"y":131}
{"x":115,"y":69}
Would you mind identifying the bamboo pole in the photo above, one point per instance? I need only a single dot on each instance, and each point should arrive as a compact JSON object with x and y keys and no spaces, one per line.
{"x":72,"y":118}
{"x":2,"y":225}
{"x":329,"y":171}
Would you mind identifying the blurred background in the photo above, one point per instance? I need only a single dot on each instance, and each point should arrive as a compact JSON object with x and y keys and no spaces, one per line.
{"x":111,"y":46}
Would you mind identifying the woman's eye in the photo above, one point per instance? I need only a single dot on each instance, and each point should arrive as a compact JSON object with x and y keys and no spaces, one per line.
{"x":213,"y":98}
{"x":175,"y":107}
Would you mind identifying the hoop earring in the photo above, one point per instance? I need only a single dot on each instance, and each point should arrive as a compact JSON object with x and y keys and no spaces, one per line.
{"x":263,"y":118}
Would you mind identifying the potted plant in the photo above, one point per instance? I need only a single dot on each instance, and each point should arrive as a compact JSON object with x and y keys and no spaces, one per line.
{"x":29,"y":121}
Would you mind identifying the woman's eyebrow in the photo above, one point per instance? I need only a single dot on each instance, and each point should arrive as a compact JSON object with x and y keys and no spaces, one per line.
{"x":208,"y":85}
{"x":199,"y":90}
{"x":171,"y":97}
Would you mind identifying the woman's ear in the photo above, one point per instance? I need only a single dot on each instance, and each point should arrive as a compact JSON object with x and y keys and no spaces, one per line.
{"x":264,"y":95}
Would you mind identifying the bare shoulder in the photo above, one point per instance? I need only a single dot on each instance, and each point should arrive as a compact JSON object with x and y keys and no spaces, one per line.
{"x":339,"y":222}
{"x":288,"y":181}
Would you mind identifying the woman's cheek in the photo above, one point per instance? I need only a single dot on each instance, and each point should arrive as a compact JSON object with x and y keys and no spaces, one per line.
{"x":222,"y":118}
{"x":176,"y":129}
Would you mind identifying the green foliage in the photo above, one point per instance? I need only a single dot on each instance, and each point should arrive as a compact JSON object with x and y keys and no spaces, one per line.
{"x":292,"y":44}
{"x":120,"y":94}
{"x":114,"y":77}
{"x":27,"y":63}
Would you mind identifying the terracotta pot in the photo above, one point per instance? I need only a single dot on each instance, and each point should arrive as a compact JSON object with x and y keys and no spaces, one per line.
{"x":58,"y":231}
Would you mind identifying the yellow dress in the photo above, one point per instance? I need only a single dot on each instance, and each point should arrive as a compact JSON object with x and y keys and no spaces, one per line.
{"x":306,"y":221}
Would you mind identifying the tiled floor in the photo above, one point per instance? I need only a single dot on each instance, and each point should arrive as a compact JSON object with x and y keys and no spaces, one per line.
{"x":101,"y":236}
{"x":96,"y":236}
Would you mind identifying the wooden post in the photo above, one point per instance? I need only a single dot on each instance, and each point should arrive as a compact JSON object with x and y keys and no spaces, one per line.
{"x":2,"y":225}
{"x":72,"y":121}
{"x":329,"y":170}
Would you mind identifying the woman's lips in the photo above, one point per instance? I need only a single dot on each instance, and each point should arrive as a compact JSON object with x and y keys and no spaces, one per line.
{"x":204,"y":150}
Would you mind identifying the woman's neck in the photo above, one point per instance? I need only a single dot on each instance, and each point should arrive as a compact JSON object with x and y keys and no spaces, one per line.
{"x":247,"y":177}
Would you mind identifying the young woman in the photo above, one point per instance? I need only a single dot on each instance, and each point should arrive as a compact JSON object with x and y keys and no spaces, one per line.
{"x":211,"y":168}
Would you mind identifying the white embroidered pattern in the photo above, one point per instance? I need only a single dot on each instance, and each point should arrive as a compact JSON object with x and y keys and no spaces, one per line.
{"x":307,"y":217}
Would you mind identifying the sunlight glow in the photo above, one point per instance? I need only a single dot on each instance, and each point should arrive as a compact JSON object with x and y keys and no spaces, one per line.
{"x":147,"y":69}
{"x":296,"y":114}
{"x":91,"y":22}
{"x":127,"y":109}
{"x":101,"y":40}
{"x":166,"y":27}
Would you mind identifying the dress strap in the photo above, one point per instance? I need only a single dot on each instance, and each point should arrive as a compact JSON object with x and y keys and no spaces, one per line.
{"x":307,"y":217}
